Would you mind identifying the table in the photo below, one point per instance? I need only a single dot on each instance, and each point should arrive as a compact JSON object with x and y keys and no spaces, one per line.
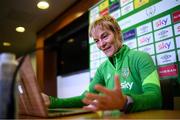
{"x":152,"y":114}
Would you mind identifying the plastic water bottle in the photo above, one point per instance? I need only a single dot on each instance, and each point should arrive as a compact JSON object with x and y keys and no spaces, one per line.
{"x":8,"y":65}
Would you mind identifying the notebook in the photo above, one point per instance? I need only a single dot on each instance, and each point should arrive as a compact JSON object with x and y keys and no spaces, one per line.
{"x":30,"y":99}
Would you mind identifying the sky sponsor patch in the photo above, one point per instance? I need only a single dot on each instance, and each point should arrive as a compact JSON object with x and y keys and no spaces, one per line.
{"x":166,"y":58}
{"x":177,"y":29}
{"x":176,"y":16}
{"x":131,"y":43}
{"x":129,"y":34}
{"x":165,"y":45}
{"x":163,"y":33}
{"x":162,"y":22}
{"x":145,"y":39}
{"x":168,"y":71}
{"x":143,"y":29}
{"x":126,"y":9}
{"x":149,"y":49}
{"x":178,"y":42}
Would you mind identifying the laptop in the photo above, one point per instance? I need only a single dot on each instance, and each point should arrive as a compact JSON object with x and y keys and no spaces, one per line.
{"x":30,"y":99}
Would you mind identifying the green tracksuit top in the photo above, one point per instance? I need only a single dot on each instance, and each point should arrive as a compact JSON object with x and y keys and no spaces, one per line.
{"x":138,"y":76}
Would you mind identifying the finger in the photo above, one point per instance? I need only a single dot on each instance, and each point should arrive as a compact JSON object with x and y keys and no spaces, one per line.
{"x":90,"y":108}
{"x":93,"y":96}
{"x":117,"y":82}
{"x":103,"y":89}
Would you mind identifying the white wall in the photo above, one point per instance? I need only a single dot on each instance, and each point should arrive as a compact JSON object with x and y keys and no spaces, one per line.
{"x":72,"y":85}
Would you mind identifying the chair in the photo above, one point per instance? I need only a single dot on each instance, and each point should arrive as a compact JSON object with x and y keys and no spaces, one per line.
{"x":167,"y":94}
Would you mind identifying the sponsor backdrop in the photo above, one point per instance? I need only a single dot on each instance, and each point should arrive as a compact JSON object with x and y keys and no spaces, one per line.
{"x":152,"y":26}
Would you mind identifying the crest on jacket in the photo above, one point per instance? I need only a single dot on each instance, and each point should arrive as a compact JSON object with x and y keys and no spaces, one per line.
{"x":125,"y":72}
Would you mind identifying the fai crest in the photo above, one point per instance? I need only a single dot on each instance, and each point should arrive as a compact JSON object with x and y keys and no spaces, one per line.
{"x":125,"y":72}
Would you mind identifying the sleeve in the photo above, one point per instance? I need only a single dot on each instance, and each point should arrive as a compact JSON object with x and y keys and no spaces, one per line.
{"x":151,"y":92}
{"x":77,"y":101}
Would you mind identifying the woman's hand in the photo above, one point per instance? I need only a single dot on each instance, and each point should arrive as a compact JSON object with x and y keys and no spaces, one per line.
{"x":109,"y":100}
{"x":46,"y":99}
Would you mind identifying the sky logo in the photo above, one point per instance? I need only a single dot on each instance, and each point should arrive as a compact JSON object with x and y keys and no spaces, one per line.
{"x":144,"y":40}
{"x":165,"y":46}
{"x":162,"y":22}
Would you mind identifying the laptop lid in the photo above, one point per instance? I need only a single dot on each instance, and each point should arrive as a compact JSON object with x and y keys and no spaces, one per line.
{"x":30,"y":99}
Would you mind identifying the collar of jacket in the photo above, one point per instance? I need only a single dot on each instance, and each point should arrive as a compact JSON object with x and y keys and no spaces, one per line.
{"x":119,"y":57}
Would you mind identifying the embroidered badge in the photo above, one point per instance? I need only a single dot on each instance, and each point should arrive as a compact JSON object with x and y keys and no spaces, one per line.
{"x":125,"y":72}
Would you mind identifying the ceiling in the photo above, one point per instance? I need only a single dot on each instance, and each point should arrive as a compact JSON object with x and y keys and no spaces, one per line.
{"x":15,"y":13}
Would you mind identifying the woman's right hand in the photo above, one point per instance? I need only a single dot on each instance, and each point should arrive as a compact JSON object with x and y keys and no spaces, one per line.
{"x":46,"y":99}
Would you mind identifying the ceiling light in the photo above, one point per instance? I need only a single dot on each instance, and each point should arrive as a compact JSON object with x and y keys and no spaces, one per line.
{"x":71,"y":40}
{"x":20,"y":29}
{"x":43,"y":5}
{"x":6,"y":44}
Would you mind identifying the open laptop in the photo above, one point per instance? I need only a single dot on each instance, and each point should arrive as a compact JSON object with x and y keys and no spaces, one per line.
{"x":30,"y":99}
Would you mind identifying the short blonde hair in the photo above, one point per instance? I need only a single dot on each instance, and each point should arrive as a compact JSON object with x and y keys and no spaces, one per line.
{"x":105,"y":22}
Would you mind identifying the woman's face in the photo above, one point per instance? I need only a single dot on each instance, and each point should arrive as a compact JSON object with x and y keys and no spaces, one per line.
{"x":107,"y":41}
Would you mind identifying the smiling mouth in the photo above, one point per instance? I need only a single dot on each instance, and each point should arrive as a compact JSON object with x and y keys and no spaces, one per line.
{"x":106,"y":49}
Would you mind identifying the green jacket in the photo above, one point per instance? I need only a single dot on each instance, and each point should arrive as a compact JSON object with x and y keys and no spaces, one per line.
{"x":138,"y":76}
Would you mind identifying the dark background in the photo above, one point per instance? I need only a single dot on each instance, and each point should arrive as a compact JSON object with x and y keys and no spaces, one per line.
{"x":71,"y":56}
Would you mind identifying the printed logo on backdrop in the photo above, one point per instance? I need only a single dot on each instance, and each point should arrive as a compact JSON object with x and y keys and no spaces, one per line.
{"x":131,"y":43}
{"x":168,"y":71}
{"x":150,"y":11}
{"x":178,"y":42}
{"x":124,"y":2}
{"x":166,"y":58}
{"x":149,"y":49}
{"x":129,"y":34}
{"x":116,"y":14}
{"x":114,"y":7}
{"x":178,"y":54}
{"x":177,"y":29}
{"x":165,"y":45}
{"x":104,"y":5}
{"x":143,"y":29}
{"x":146,"y":39}
{"x":154,"y":59}
{"x":176,"y":16}
{"x":163,"y":33}
{"x":94,"y":11}
{"x":104,"y":12}
{"x":162,"y":22}
{"x":139,"y":3}
{"x":126,"y":9}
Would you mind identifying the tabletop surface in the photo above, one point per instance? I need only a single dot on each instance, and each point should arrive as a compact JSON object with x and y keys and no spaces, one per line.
{"x":152,"y":114}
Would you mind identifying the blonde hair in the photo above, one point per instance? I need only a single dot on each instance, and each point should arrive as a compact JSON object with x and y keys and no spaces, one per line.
{"x":105,"y":22}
